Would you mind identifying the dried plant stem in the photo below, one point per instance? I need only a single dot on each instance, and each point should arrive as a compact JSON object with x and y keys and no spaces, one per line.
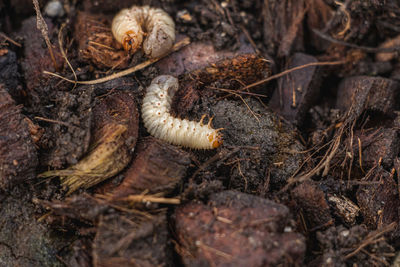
{"x":10,"y":40}
{"x":283,"y":73}
{"x":372,"y":238}
{"x":60,"y":42}
{"x":343,"y":8}
{"x":101,"y":45}
{"x":364,"y":48}
{"x":54,"y":121}
{"x":120,"y":74}
{"x":213,"y":250}
{"x":235,"y":91}
{"x":42,"y":26}
{"x":152,"y":199}
{"x":324,"y":163}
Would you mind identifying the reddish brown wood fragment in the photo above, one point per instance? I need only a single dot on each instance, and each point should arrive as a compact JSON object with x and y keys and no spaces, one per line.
{"x":18,"y":157}
{"x":158,"y":167}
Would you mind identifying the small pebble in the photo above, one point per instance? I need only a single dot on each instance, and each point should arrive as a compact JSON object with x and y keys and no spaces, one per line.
{"x":54,"y":9}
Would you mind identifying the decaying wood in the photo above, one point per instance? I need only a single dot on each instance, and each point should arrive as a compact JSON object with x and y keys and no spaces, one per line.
{"x":234,"y":221}
{"x":114,"y":135}
{"x":158,"y":167}
{"x":297,"y":91}
{"x":18,"y":157}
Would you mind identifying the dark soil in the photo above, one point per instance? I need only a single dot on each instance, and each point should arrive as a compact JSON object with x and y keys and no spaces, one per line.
{"x":308,"y":174}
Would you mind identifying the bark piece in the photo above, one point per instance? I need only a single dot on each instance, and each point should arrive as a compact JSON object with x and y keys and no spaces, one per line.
{"x":119,"y":107}
{"x":97,"y":44}
{"x":131,"y":241}
{"x":379,"y":201}
{"x":311,"y":201}
{"x":231,"y":73}
{"x":192,"y":57}
{"x":373,"y":93}
{"x":344,"y":208}
{"x":385,"y":147}
{"x":158,"y":167}
{"x":283,"y":26}
{"x":114,"y":111}
{"x":298,"y":90}
{"x":237,"y":229}
{"x":196,"y":55}
{"x":114,"y":135}
{"x":37,"y":59}
{"x":18,"y":158}
{"x":246,"y":68}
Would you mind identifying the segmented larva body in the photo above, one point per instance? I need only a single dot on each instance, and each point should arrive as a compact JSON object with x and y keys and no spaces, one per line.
{"x":129,"y":25}
{"x":159,"y":122}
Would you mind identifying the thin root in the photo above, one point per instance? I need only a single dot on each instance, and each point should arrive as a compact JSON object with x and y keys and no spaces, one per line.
{"x":42,"y":26}
{"x":60,"y":43}
{"x":323,"y":63}
{"x":342,"y":8}
{"x":123,"y":73}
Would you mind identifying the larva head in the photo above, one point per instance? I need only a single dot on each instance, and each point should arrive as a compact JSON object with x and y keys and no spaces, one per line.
{"x":216,"y":139}
{"x":131,"y":41}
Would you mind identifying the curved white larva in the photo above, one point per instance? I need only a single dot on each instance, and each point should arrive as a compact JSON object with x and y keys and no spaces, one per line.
{"x":159,"y":123}
{"x":128,"y":25}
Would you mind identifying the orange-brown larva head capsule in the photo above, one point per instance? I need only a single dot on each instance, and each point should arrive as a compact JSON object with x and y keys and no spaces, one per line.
{"x":216,"y":140}
{"x":131,"y":42}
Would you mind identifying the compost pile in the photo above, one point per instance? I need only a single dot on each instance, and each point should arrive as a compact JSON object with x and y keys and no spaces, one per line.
{"x":307,"y":94}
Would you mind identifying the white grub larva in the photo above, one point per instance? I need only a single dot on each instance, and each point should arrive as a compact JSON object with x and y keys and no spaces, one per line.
{"x":129,"y":27}
{"x":159,"y":123}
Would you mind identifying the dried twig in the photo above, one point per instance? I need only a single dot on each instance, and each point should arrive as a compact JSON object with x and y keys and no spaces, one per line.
{"x":213,"y":250}
{"x":101,"y":45}
{"x":251,"y":41}
{"x":235,"y":91}
{"x":248,"y":107}
{"x":63,"y":52}
{"x":342,"y":7}
{"x":360,"y":154}
{"x":151,"y":199}
{"x":55,"y":121}
{"x":42,"y":26}
{"x":323,"y":63}
{"x":372,"y":238}
{"x":323,"y":164}
{"x":364,"y":48}
{"x":219,"y":156}
{"x":120,"y":74}
{"x":10,"y":40}
{"x":105,"y":201}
